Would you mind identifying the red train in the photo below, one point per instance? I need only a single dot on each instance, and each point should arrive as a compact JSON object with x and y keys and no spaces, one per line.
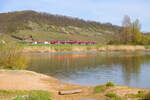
{"x":73,"y":42}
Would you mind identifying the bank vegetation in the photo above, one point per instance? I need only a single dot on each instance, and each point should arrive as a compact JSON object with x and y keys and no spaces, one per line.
{"x":11,"y":56}
{"x":131,"y":34}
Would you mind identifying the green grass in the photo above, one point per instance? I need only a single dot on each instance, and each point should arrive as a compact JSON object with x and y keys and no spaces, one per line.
{"x":147,"y":47}
{"x":36,"y":45}
{"x":62,"y":47}
{"x":57,"y":47}
{"x":26,"y":95}
{"x":141,"y":95}
{"x":113,"y":95}
{"x":102,"y":88}
{"x":99,"y":88}
{"x":56,"y":33}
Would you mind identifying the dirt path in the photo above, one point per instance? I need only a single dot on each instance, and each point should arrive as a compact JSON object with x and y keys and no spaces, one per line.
{"x":28,"y":80}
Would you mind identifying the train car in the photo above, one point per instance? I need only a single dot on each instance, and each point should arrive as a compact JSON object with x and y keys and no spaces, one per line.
{"x":73,"y":42}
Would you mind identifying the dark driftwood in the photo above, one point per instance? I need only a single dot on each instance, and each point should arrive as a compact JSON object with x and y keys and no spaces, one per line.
{"x":69,"y":92}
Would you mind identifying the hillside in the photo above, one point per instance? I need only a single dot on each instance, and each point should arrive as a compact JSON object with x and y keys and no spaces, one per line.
{"x":44,"y":26}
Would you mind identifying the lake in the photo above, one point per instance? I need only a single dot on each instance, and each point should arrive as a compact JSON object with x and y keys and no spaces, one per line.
{"x":93,"y":68}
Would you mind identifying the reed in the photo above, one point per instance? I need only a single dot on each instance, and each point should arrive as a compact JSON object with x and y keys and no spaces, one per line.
{"x":11,"y":56}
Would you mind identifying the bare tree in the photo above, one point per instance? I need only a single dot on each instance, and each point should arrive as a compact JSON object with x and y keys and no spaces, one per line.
{"x":126,"y":34}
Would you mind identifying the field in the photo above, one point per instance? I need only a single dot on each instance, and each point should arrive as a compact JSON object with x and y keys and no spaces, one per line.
{"x":82,"y":48}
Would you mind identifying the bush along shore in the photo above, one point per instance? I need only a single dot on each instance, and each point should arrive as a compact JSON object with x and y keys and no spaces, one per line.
{"x":11,"y":56}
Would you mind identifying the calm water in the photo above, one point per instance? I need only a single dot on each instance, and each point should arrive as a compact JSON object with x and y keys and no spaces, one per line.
{"x":122,"y":68}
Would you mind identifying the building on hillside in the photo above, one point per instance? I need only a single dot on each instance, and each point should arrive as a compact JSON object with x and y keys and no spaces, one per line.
{"x":42,"y":42}
{"x":35,"y":42}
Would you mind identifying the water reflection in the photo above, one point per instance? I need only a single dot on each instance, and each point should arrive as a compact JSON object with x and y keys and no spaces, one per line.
{"x":92,"y":69}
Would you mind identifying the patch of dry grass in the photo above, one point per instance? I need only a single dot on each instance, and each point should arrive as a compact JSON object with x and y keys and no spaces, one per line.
{"x":11,"y":56}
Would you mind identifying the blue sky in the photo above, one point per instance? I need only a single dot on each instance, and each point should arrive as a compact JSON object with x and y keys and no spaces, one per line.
{"x":97,"y":10}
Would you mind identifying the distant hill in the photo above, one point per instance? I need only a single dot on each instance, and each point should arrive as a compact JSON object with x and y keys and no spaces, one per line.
{"x":44,"y":26}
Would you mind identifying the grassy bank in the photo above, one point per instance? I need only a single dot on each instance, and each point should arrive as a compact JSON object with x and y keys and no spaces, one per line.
{"x":25,"y":95}
{"x":113,"y":92}
{"x":83,"y":48}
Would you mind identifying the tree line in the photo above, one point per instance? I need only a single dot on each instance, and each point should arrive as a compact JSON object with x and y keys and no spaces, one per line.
{"x":130,"y":33}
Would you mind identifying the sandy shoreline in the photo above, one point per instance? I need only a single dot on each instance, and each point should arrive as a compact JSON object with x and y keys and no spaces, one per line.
{"x":28,"y":80}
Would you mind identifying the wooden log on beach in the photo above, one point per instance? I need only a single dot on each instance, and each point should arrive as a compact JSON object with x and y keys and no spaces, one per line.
{"x":69,"y":92}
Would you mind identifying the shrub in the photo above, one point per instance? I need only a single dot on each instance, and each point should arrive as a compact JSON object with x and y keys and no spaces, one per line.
{"x":11,"y":56}
{"x":110,"y":84}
